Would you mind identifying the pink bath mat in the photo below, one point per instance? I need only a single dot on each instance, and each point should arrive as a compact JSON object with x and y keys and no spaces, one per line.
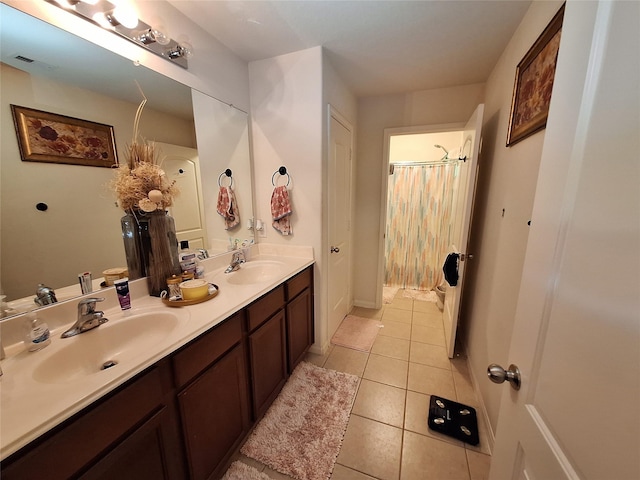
{"x":357,"y":332}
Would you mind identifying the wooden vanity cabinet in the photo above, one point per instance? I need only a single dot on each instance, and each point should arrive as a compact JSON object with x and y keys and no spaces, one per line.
{"x":213,"y":397}
{"x":267,"y":349}
{"x":185,"y":416}
{"x":135,"y":424}
{"x":299,"y":317}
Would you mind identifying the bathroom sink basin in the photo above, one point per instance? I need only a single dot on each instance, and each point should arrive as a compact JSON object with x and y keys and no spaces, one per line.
{"x":257,"y":271}
{"x":114,"y":343}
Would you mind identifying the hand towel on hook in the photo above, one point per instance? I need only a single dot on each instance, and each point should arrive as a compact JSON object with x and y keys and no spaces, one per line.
{"x":228,"y":207}
{"x":281,"y":210}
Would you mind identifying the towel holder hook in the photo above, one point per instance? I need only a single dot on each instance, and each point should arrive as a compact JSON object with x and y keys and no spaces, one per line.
{"x":229,"y":174}
{"x":282,"y":171}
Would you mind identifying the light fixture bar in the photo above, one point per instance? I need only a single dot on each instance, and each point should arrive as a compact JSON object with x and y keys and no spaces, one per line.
{"x":104,"y":15}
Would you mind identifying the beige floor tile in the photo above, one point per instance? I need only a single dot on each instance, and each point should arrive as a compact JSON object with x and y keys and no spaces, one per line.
{"x":247,"y":460}
{"x":396,"y":330}
{"x":346,"y":360}
{"x":427,"y":319}
{"x":431,"y":380}
{"x":428,"y":458}
{"x":367,"y":312}
{"x":400,"y":302}
{"x":317,"y":359}
{"x":464,"y":389}
{"x":459,"y":364}
{"x":380,"y":402}
{"x":391,"y":347}
{"x":341,"y":472}
{"x":427,"y":307}
{"x":389,"y":371}
{"x":396,"y":315}
{"x":479,"y":464}
{"x":372,"y":448}
{"x":416,"y":415}
{"x":432,"y":335}
{"x":427,"y":354}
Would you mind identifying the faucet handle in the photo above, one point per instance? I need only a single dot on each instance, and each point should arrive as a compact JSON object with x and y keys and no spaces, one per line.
{"x":88,"y":305}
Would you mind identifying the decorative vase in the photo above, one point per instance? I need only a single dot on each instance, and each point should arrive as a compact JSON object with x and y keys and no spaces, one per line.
{"x":132,"y":246}
{"x":153,"y":249}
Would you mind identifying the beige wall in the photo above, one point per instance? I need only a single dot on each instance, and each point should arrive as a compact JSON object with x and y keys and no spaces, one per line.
{"x":429,"y":107}
{"x":507,"y":181}
{"x":289,"y":96}
{"x":47,"y":246}
{"x":286,"y":128}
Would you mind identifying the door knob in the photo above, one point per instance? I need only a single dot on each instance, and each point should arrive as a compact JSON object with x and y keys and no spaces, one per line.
{"x":497,"y":374}
{"x":335,"y":250}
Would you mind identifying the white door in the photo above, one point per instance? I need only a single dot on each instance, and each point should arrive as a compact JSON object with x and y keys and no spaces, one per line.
{"x":182,"y":165}
{"x":462,"y":211}
{"x":576,"y":337}
{"x":339,"y":188}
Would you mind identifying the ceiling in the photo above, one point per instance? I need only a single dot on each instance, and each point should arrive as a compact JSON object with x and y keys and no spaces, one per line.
{"x":378,"y":47}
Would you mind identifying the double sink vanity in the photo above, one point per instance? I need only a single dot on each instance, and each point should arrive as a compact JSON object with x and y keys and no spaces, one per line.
{"x":157,"y":392}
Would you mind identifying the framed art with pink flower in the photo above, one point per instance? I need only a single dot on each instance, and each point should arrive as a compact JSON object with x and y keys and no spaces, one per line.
{"x":52,"y":138}
{"x":534,"y":83}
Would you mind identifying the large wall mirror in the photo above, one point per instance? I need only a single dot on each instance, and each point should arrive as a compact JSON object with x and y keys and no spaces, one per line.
{"x":48,"y":69}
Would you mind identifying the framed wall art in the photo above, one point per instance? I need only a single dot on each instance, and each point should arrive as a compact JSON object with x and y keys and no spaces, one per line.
{"x":534,"y":83}
{"x":52,"y":138}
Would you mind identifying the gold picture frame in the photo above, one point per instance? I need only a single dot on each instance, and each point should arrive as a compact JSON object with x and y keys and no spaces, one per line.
{"x":534,"y":83}
{"x":52,"y":138}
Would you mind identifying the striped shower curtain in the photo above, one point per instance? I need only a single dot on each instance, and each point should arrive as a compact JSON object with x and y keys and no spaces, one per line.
{"x":418,"y":229}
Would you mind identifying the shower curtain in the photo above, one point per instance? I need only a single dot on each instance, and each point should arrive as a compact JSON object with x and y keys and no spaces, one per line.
{"x":418,"y":230}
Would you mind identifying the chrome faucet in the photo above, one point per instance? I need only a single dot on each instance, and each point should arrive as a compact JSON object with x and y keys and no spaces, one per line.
{"x":88,"y":317}
{"x":236,"y":260}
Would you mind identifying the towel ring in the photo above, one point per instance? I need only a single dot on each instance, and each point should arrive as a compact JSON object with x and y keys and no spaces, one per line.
{"x":281,"y":171}
{"x":229,"y":174}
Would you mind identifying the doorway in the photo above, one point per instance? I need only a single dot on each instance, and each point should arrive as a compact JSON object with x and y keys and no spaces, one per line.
{"x":421,"y":186}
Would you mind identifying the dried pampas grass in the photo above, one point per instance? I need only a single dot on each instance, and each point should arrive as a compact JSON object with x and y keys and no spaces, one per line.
{"x":142,"y":174}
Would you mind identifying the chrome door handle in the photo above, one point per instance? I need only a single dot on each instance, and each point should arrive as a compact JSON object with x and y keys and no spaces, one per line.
{"x":335,"y":250}
{"x":466,"y":256}
{"x":497,"y":374}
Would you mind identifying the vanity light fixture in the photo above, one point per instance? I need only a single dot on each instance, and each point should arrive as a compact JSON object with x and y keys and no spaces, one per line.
{"x":182,"y":50}
{"x":152,"y":35}
{"x":121,"y":19}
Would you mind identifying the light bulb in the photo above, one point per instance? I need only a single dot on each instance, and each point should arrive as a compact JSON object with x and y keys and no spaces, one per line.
{"x":152,"y":35}
{"x":125,"y":16}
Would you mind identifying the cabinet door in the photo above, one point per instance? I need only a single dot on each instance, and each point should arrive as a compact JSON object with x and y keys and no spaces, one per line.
{"x":141,"y":456}
{"x":215,"y":414}
{"x":267,"y":352}
{"x":299,"y":328}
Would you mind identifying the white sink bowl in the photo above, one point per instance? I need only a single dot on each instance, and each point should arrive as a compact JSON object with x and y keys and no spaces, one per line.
{"x":257,"y":271}
{"x":114,"y":343}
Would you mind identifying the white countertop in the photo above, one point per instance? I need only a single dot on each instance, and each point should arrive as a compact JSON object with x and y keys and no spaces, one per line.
{"x":31,"y":405}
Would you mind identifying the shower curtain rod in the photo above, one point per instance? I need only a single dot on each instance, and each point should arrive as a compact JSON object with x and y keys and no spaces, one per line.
{"x":426,"y":164}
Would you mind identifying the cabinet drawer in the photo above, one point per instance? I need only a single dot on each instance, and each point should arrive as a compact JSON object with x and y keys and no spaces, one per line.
{"x":298,"y":283}
{"x":265,"y":307}
{"x":206,"y":349}
{"x":71,"y":448}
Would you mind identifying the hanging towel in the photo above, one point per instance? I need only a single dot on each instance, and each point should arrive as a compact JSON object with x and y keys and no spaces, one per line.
{"x":228,"y":207}
{"x":450,"y":269}
{"x":281,"y":210}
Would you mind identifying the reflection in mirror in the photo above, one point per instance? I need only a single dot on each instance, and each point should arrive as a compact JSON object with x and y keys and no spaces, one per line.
{"x":80,"y":229}
{"x":223,"y":144}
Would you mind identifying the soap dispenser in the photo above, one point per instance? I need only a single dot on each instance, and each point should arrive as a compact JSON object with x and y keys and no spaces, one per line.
{"x":36,"y":333}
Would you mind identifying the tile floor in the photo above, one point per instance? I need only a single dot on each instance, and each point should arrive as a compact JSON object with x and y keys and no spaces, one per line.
{"x":387,"y":437}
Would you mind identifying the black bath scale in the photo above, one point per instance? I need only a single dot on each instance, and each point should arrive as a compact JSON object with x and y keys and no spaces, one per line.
{"x":453,"y":419}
